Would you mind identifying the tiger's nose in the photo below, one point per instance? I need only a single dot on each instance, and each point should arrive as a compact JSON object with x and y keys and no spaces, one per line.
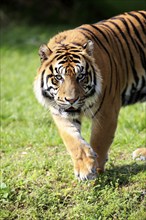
{"x":71,"y":100}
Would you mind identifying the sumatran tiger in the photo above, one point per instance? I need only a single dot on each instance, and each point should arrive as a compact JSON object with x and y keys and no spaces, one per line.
{"x":93,"y":70}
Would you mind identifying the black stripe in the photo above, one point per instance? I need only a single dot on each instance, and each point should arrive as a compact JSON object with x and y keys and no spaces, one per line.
{"x":101,"y":44}
{"x":74,"y":51}
{"x":136,"y":32}
{"x":123,"y":96}
{"x":142,"y":55}
{"x":56,"y":69}
{"x":62,"y":62}
{"x":134,"y":72}
{"x":85,"y":35}
{"x":101,"y":32}
{"x":138,"y":19}
{"x":76,"y":56}
{"x":121,"y":45}
{"x":76,"y":61}
{"x":90,"y":74}
{"x":45,"y":94}
{"x":51,"y":68}
{"x":48,"y":76}
{"x":128,"y":46}
{"x":60,"y":57}
{"x":142,"y":93}
{"x":132,"y":95}
{"x":76,"y":44}
{"x":142,"y":13}
{"x":87,"y":67}
{"x":128,"y":31}
{"x":97,"y":40}
{"x":143,"y":82}
{"x":51,"y":87}
{"x":65,"y":55}
{"x":77,"y":121}
{"x":111,"y":80}
{"x":42,"y":79}
{"x":135,"y":95}
{"x":103,"y":97}
{"x":124,"y":37}
{"x":104,"y":35}
{"x":116,"y":68}
{"x":91,"y":92}
{"x":116,"y":83}
{"x":94,"y":76}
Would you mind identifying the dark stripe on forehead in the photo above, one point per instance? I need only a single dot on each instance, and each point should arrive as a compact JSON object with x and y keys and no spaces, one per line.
{"x":76,"y":61}
{"x":76,"y":56}
{"x":62,"y":62}
{"x":74,"y":51}
{"x":60,"y":57}
{"x":68,"y":54}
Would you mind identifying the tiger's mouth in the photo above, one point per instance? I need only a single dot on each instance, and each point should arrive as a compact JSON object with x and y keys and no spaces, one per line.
{"x":72,"y":110}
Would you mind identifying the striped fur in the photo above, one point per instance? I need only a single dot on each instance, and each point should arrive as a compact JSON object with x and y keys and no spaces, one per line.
{"x":93,"y":70}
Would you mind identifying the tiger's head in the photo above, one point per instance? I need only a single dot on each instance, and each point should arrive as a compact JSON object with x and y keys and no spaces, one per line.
{"x":68,"y":80}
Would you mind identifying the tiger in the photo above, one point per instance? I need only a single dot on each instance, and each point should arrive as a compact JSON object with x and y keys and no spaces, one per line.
{"x":93,"y":70}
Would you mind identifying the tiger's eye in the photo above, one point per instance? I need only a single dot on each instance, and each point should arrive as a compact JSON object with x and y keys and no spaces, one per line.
{"x":58,"y":77}
{"x":81,"y":76}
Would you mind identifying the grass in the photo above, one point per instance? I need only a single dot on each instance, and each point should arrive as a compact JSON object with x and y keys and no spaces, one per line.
{"x":37,"y":180}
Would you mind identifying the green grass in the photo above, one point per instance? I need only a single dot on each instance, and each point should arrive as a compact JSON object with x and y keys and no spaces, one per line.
{"x":37,"y":180}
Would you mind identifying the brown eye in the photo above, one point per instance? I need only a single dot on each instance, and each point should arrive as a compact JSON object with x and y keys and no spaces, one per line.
{"x":58,"y":77}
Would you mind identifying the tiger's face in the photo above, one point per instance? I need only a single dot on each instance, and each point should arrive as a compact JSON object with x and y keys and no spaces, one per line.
{"x":69,"y":81}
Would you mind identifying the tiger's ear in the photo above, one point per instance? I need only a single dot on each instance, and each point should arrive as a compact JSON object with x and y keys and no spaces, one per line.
{"x":44,"y":52}
{"x":89,"y":47}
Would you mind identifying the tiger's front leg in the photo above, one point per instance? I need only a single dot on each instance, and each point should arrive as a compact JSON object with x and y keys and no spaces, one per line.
{"x":83,"y":156}
{"x":103,"y":129}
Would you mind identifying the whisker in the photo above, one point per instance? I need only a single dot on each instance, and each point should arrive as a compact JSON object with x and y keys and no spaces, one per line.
{"x":92,"y":114}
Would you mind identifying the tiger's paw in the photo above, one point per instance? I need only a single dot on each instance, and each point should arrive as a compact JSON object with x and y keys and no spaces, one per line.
{"x":139,"y":154}
{"x":85,"y":166}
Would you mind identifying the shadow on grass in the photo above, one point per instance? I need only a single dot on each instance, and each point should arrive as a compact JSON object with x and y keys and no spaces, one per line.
{"x":120,"y":175}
